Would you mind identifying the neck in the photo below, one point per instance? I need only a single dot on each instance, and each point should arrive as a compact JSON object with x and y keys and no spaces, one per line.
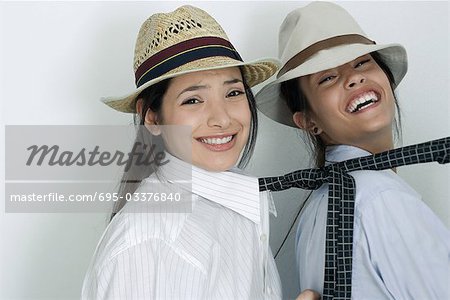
{"x":377,"y":147}
{"x":376,"y":144}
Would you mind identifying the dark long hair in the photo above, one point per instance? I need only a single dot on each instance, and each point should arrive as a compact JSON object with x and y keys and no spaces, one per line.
{"x":297,"y":102}
{"x":152,"y":98}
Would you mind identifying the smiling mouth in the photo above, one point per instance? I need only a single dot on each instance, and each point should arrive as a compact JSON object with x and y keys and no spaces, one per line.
{"x":363,"y":101}
{"x":216,"y":141}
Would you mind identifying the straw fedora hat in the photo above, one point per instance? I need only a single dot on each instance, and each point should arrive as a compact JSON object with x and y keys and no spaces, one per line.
{"x":317,"y":37}
{"x":184,"y":41}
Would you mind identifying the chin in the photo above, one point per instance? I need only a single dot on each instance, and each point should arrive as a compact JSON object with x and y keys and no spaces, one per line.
{"x":215,"y":165}
{"x":384,"y":126}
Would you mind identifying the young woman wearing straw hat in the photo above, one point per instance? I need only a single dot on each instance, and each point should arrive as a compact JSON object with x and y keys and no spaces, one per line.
{"x":338,"y":86}
{"x":188,"y":74}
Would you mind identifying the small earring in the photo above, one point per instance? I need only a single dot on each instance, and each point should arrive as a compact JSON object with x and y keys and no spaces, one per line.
{"x":315,"y":130}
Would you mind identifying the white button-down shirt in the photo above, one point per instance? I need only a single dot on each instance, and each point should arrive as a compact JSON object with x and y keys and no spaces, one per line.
{"x":219,"y":250}
{"x":401,"y":250}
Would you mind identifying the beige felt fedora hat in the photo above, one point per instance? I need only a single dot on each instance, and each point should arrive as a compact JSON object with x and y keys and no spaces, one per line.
{"x":184,"y":41}
{"x":317,"y":37}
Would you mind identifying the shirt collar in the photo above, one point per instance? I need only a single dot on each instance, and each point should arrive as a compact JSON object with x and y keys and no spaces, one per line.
{"x":340,"y":153}
{"x":235,"y":191}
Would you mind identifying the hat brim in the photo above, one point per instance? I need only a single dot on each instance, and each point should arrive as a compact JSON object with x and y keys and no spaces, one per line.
{"x":254,"y":72}
{"x":270,"y":102}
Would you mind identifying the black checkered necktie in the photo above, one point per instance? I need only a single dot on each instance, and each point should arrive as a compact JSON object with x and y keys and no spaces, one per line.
{"x":341,"y":202}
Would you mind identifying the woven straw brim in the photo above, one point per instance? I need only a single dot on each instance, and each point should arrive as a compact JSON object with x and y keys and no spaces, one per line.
{"x":270,"y":102}
{"x":254,"y":73}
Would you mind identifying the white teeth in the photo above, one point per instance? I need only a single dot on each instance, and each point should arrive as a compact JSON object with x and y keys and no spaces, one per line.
{"x":364,"y":98}
{"x":217,"y":141}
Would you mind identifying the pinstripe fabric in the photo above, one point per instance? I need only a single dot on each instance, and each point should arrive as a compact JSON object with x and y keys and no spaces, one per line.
{"x":212,"y":252}
{"x":340,"y":216}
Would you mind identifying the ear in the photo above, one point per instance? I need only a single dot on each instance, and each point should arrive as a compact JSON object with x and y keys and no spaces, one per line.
{"x":150,"y":118}
{"x":299,"y":119}
{"x":302,"y":121}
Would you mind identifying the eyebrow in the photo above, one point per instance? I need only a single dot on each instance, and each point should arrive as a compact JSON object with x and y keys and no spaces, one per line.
{"x":192,"y":88}
{"x":199,"y":87}
{"x":233,"y":81}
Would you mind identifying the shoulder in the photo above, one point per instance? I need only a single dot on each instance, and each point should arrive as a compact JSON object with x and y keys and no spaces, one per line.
{"x":371,"y":186}
{"x":179,"y":230}
{"x":129,"y":232}
{"x":384,"y":201}
{"x":143,"y":221}
{"x":383,"y":197}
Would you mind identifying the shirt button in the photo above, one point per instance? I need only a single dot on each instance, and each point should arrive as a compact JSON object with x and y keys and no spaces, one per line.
{"x":263,"y":237}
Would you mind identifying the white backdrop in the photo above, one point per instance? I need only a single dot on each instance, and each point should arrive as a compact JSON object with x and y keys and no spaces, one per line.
{"x":58,"y":59}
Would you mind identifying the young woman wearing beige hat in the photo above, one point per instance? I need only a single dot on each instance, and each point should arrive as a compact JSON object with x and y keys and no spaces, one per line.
{"x":338,"y":86}
{"x":189,"y":74}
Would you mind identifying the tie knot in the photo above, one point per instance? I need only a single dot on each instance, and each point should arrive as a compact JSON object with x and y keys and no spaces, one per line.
{"x":311,"y":179}
{"x":333,"y":169}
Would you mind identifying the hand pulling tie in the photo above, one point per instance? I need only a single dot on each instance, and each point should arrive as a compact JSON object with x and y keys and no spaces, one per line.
{"x":341,"y":202}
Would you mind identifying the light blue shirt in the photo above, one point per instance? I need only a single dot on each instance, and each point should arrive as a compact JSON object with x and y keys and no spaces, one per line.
{"x":401,"y":249}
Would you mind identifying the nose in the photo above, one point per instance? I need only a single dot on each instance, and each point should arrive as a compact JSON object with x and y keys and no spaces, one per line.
{"x":218,"y":115}
{"x":354,"y":79}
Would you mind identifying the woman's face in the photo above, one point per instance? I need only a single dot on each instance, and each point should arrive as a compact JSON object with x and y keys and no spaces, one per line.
{"x":215,"y":105}
{"x":352,"y":104}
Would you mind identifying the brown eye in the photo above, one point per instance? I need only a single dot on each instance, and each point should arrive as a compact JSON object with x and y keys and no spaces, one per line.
{"x":326,"y":79}
{"x":362,"y":63}
{"x":190,"y":101}
{"x":234,"y":93}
